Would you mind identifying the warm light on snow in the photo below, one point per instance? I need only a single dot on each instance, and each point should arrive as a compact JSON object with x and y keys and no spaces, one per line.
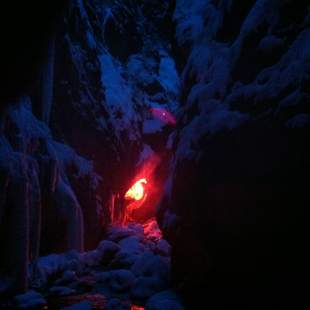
{"x":137,"y":191}
{"x":143,"y":194}
{"x":164,"y":115}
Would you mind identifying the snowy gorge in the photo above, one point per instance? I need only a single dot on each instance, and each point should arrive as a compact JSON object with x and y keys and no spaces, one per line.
{"x":235,"y":75}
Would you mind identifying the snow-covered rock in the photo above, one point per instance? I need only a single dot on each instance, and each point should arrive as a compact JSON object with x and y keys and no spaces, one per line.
{"x":30,"y":300}
{"x":117,"y":280}
{"x":116,"y":304}
{"x":239,"y":146}
{"x":70,"y":264}
{"x":150,"y":264}
{"x":61,"y":290}
{"x":298,"y":121}
{"x":167,"y":300}
{"x":131,"y":245}
{"x":115,"y":65}
{"x":67,"y":277}
{"x":152,"y":274}
{"x":41,"y":170}
{"x":107,"y":247}
{"x":124,"y":259}
{"x":83,"y":305}
{"x":163,"y":248}
{"x":117,"y":233}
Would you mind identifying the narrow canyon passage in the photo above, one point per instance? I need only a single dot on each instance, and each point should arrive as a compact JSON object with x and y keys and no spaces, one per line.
{"x":129,"y":269}
{"x":154,"y":154}
{"x":90,"y":139}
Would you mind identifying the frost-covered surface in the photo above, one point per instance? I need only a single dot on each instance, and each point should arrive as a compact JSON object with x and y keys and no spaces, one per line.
{"x":83,"y":305}
{"x":240,"y":144}
{"x":118,"y":64}
{"x":114,"y":64}
{"x":29,"y":300}
{"x":243,"y":116}
{"x":217,"y":80}
{"x":131,"y":264}
{"x":166,"y":300}
{"x":36,"y":169}
{"x":239,"y":71}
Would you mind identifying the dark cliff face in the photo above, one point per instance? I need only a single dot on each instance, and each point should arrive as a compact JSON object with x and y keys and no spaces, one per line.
{"x":79,"y":95}
{"x":25,"y":33}
{"x":76,"y":120}
{"x":236,"y":199}
{"x":113,"y":65}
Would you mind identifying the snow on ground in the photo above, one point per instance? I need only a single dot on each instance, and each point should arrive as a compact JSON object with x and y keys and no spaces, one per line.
{"x":131,"y":266}
{"x":30,"y":299}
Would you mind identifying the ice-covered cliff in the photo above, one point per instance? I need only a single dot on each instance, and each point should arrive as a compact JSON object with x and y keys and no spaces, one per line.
{"x":236,"y":198}
{"x":219,"y":89}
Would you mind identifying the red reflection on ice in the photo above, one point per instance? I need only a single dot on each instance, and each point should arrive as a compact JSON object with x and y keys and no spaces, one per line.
{"x":133,"y":307}
{"x":164,"y":115}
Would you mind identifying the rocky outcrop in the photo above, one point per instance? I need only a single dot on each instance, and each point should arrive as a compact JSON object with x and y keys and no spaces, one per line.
{"x":113,"y":64}
{"x":96,"y":95}
{"x":235,"y":201}
{"x":131,"y":266}
{"x":36,"y":193}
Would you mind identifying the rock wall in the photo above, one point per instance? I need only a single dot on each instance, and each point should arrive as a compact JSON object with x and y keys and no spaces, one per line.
{"x":40,"y":211}
{"x":235,"y":202}
{"x":113,"y":65}
{"x":235,"y":199}
{"x":77,"y":120}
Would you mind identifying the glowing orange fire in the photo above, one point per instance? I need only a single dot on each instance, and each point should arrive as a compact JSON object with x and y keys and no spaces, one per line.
{"x":137,"y":191}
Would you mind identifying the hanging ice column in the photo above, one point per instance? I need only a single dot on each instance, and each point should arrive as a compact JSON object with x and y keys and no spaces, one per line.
{"x":47,"y":82}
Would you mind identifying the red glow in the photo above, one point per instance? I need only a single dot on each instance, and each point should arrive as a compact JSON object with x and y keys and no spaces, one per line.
{"x":137,"y":191}
{"x":142,"y":196}
{"x":133,"y":307}
{"x":164,"y":115}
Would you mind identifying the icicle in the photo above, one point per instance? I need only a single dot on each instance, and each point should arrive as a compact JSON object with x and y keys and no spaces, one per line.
{"x":71,"y":210}
{"x":47,"y":82}
{"x":35,"y":211}
{"x":19,"y":233}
